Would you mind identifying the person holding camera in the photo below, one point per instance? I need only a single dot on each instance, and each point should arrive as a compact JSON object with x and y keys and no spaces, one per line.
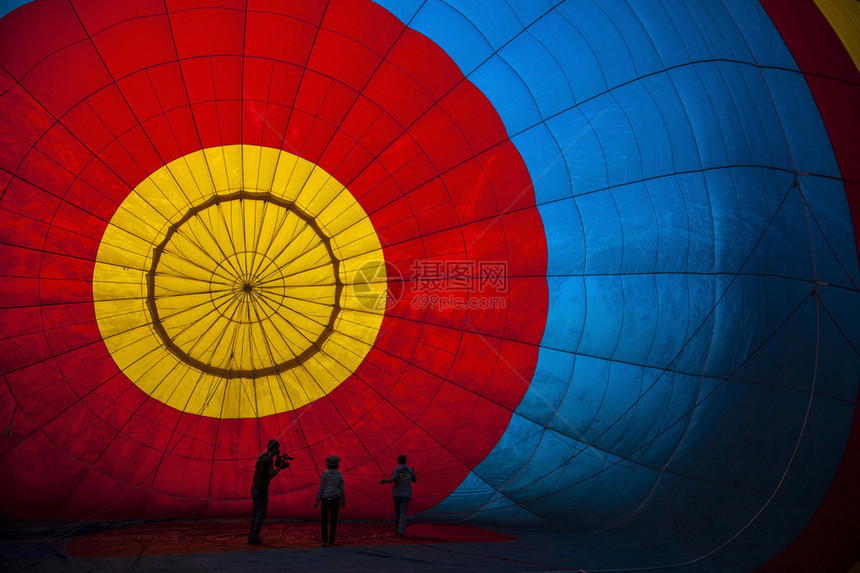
{"x":268,"y":465}
{"x":332,"y":494}
{"x":402,"y":477}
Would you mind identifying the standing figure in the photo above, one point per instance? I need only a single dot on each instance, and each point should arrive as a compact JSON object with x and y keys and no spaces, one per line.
{"x":402,"y":477}
{"x":332,"y":494}
{"x":264,"y":471}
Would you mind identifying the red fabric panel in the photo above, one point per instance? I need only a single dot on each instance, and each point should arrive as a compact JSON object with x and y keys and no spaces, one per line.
{"x":19,"y":475}
{"x":97,"y":17}
{"x":77,"y":66}
{"x":21,"y":231}
{"x":86,"y":125}
{"x":107,"y":182}
{"x":265,"y":33}
{"x":40,"y":170}
{"x":205,"y":31}
{"x":36,"y":30}
{"x":337,"y":56}
{"x":475,"y":117}
{"x":18,"y":261}
{"x":20,"y":292}
{"x":123,"y":57}
{"x":111,"y":105}
{"x":25,"y":120}
{"x":377,"y":34}
{"x":409,"y":159}
{"x":167,"y":83}
{"x":28,"y":200}
{"x":401,"y":95}
{"x":197,"y":79}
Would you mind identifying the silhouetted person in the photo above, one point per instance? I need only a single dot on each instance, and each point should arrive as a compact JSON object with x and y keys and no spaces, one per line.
{"x":264,"y":471}
{"x":402,"y":477}
{"x":332,"y":494}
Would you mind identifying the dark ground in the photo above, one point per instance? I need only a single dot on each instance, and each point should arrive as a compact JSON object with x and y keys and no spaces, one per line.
{"x":178,"y":546}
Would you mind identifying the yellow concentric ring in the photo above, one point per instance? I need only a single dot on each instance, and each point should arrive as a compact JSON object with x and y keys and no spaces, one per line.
{"x":233,"y":283}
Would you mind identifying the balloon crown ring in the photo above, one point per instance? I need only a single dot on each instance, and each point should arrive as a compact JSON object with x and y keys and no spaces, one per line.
{"x":245,"y":287}
{"x":239,"y":271}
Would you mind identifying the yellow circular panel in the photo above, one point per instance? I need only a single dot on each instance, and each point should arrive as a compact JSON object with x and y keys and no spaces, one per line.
{"x":239,"y":281}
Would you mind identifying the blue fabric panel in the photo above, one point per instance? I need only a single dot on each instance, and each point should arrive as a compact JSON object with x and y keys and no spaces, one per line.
{"x":581,"y":152}
{"x":638,"y":215}
{"x":405,"y":10}
{"x":549,"y":385}
{"x":476,"y":497}
{"x":7,"y":6}
{"x":498,"y":22}
{"x":673,"y":114}
{"x":517,"y":107}
{"x":564,"y":327}
{"x":639,"y":319}
{"x":461,"y":39}
{"x":672,"y":309}
{"x":662,"y":156}
{"x":649,"y":130}
{"x":528,"y":11}
{"x":700,"y":254}
{"x":602,"y":233}
{"x":613,"y":414}
{"x":541,"y":72}
{"x":834,"y":249}
{"x":564,"y":215}
{"x":603,"y":38}
{"x":633,"y":34}
{"x":664,"y":34}
{"x":543,"y":157}
{"x":570,"y":48}
{"x":603,"y":320}
{"x":576,"y":413}
{"x":700,"y":110}
{"x":762,"y":40}
{"x":804,"y":133}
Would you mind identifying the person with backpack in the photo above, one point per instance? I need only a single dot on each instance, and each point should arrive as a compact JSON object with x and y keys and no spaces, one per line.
{"x":332,"y":495}
{"x":402,"y":477}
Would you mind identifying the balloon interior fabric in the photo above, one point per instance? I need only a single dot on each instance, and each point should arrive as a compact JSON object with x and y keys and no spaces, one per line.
{"x":588,"y":263}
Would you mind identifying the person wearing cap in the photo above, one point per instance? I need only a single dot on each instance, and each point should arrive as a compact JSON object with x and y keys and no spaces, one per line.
{"x":402,"y":477}
{"x":264,"y":471}
{"x":332,"y":495}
